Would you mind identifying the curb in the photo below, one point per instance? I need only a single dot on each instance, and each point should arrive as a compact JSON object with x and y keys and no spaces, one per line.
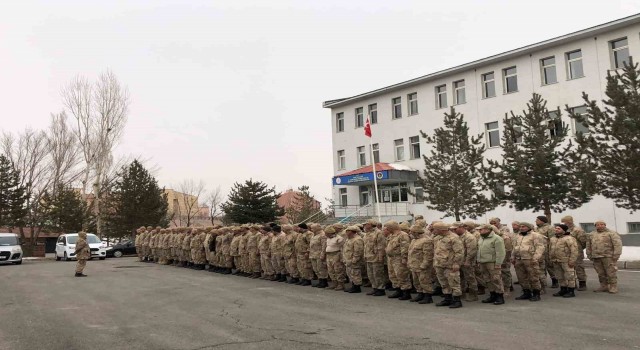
{"x":622,"y":265}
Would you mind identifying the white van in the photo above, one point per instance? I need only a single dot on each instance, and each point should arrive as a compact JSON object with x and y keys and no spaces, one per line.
{"x":10,"y":249}
{"x":66,"y":246}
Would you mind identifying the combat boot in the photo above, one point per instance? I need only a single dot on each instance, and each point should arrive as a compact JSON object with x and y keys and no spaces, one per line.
{"x":372,"y":292}
{"x":305,"y":282}
{"x":388,"y":286}
{"x":379,"y":293}
{"x":80,"y":274}
{"x":396,"y":294}
{"x":493,"y":296}
{"x":603,"y":288}
{"x":294,"y":280}
{"x":561,"y":292}
{"x":499,"y":299}
{"x":447,"y":301}
{"x":526,"y":295}
{"x":406,"y":295}
{"x":554,"y":283}
{"x":535,"y":295}
{"x":569,"y":293}
{"x":481,"y":290}
{"x":426,"y":299}
{"x":323,"y":283}
{"x":283,"y":277}
{"x":417,"y":298}
{"x":472,"y":296}
{"x":437,"y":291}
{"x":582,"y":285}
{"x":613,"y":288}
{"x":456,"y":303}
{"x":355,"y":289}
{"x":300,"y":282}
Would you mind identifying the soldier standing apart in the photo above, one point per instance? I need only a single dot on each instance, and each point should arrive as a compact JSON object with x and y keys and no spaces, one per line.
{"x":375,"y":245}
{"x":397,"y":254}
{"x":420,"y":257}
{"x":83,"y":253}
{"x":604,"y":248}
{"x":468,"y":268}
{"x":581,"y":238}
{"x":352,"y":255}
{"x":448,"y":256}
{"x":333,"y":250}
{"x":546,"y":230}
{"x":529,"y":249}
{"x":317,"y":255}
{"x":491,"y":254}
{"x":563,"y":255}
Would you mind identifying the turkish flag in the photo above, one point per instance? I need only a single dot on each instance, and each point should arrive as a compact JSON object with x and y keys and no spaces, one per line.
{"x":367,"y":128}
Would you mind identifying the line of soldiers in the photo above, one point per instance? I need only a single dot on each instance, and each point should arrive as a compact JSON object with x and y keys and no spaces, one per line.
{"x":437,"y":259}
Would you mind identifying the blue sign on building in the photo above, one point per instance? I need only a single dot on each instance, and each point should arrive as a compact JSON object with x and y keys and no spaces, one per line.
{"x":351,"y":179}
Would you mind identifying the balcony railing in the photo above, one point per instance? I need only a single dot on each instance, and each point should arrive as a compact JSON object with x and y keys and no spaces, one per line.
{"x":386,"y":209}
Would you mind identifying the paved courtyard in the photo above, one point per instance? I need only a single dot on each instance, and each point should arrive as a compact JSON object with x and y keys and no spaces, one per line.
{"x":125,"y":304}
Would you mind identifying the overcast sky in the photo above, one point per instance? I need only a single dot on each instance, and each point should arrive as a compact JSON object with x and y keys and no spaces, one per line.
{"x":224,"y":91}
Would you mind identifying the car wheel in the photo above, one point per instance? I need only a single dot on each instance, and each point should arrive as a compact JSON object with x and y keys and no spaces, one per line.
{"x":117,"y":254}
{"x":66,"y":258}
{"x":57,"y":257}
{"x":102,"y":258}
{"x":17,"y":262}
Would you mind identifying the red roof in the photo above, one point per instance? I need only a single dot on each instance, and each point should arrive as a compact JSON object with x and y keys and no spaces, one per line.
{"x":368,"y":169}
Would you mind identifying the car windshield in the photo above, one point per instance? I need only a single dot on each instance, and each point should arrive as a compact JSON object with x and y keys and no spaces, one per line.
{"x":9,"y":240}
{"x":90,"y":239}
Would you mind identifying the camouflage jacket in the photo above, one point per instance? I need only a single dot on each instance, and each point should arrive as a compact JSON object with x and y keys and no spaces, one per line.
{"x":605,"y":244}
{"x":289,"y":244}
{"x":375,"y":245}
{"x":470,"y":243}
{"x":529,"y":247}
{"x":563,"y":249}
{"x":264,"y":244}
{"x":302,"y":242}
{"x":448,"y":251}
{"x":252,"y":243}
{"x":234,"y":248}
{"x":353,"y":251}
{"x":276,"y":244}
{"x":420,"y":254}
{"x":316,"y":244}
{"x":581,"y":238}
{"x":398,"y":245}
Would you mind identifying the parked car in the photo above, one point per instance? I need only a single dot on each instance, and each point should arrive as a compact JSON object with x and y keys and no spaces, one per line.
{"x":66,"y":247}
{"x":10,"y":249}
{"x":120,"y":249}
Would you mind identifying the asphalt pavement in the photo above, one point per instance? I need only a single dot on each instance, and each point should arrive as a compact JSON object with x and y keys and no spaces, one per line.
{"x":126,"y":304}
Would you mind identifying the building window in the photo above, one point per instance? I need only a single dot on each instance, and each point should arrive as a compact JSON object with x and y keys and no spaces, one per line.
{"x":376,"y":153}
{"x":419,"y":194}
{"x":517,"y":138}
{"x":399,"y":149}
{"x":459,"y":96}
{"x":413,"y":103}
{"x":488,"y":85}
{"x":342,"y":160}
{"x":493,"y":134}
{"x":588,"y":226}
{"x":362,"y":156}
{"x":548,"y":67}
{"x":574,"y":65}
{"x":393,"y":193}
{"x":359,"y":117}
{"x":619,"y":53}
{"x":396,"y":104}
{"x":343,"y":197}
{"x":441,"y":96}
{"x":373,"y":113}
{"x":364,"y":195}
{"x":510,"y":80}
{"x":339,"y":122}
{"x":633,"y":227}
{"x":414,"y":142}
{"x":579,"y":126}
{"x":555,"y":123}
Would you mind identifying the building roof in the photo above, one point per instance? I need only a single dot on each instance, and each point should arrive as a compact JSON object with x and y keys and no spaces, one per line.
{"x":622,"y":22}
{"x":379,"y":167}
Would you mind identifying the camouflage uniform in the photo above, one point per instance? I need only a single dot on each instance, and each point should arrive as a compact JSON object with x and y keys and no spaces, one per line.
{"x":234,"y":250}
{"x":581,"y":238}
{"x":528,"y":250}
{"x":375,"y":245}
{"x":491,"y":254}
{"x":83,"y":253}
{"x":420,"y":262}
{"x":227,"y":239}
{"x":547,"y":231}
{"x":277,"y":259}
{"x":333,"y":250}
{"x":253,"y":252}
{"x":563,"y":254}
{"x":604,"y":248}
{"x":448,"y":256}
{"x":242,"y":251}
{"x":397,"y":252}
{"x":289,"y":252}
{"x":264,"y":248}
{"x":352,"y":255}
{"x":138,"y":242}
{"x":468,"y":267}
{"x":317,"y":255}
{"x":303,"y":262}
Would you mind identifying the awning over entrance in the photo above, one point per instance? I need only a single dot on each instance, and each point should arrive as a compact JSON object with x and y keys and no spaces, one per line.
{"x":385,"y":173}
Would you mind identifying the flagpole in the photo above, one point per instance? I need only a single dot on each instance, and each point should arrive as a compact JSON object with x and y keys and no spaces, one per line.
{"x":375,"y":178}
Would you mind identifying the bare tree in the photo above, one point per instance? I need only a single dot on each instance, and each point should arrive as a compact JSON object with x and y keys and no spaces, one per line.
{"x":64,"y":152}
{"x":100,"y":111}
{"x":189,"y":194}
{"x":214,"y":199}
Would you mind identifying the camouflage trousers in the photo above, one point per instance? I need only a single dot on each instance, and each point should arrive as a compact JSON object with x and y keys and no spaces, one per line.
{"x":265,"y":264}
{"x":186,"y":255}
{"x":566,"y":275}
{"x":468,"y":278}
{"x":505,"y":271}
{"x":228,"y":261}
{"x":210,"y":256}
{"x":493,"y":277}
{"x":292,"y":266}
{"x":479,"y":278}
{"x":580,"y":272}
{"x":376,"y":274}
{"x":278,"y":264}
{"x":422,"y":280}
{"x":542,"y":276}
{"x":80,"y":265}
{"x":549,"y":264}
{"x":304,"y":266}
{"x":335,"y":267}
{"x":399,"y":273}
{"x":606,"y":269}
{"x":354,"y":272}
{"x":140,"y":253}
{"x":198,"y":256}
{"x":237,"y":262}
{"x":320,"y":267}
{"x":244,"y":262}
{"x":450,"y":280}
{"x":528,"y":274}
{"x":255,"y":262}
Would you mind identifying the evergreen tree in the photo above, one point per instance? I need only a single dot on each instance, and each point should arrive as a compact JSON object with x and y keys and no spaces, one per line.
{"x":135,"y":201}
{"x":252,"y":202}
{"x":613,"y":142}
{"x":302,"y":206}
{"x":539,"y":169}
{"x":453,"y":179}
{"x":65,"y":209}
{"x":12,"y":196}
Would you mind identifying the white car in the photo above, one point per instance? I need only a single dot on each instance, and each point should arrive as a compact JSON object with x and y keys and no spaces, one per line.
{"x":66,"y":246}
{"x":10,"y":249}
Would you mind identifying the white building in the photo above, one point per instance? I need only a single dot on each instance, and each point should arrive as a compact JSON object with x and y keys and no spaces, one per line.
{"x":559,"y":69}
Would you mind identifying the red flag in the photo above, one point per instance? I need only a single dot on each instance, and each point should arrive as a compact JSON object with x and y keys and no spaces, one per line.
{"x":367,"y":128}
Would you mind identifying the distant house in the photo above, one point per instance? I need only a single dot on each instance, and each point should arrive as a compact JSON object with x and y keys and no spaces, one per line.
{"x":288,"y":199}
